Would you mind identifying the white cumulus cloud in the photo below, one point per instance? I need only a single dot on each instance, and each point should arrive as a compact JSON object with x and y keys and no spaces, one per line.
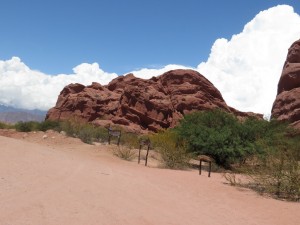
{"x":149,"y":73}
{"x":22,"y":87}
{"x":246,"y":68}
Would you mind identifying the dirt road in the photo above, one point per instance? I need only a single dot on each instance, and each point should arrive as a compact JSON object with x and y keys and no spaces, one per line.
{"x":71,"y":183}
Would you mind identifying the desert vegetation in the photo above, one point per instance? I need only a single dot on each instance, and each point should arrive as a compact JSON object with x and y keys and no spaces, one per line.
{"x":173,"y":150}
{"x":221,"y":136}
{"x":124,"y":152}
{"x":5,"y":126}
{"x":266,"y":152}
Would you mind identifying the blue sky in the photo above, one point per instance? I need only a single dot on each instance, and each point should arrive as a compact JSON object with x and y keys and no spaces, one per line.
{"x":240,"y":46}
{"x":55,"y":36}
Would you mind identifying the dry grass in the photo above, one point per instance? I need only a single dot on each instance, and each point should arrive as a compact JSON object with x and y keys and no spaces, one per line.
{"x":124,"y":152}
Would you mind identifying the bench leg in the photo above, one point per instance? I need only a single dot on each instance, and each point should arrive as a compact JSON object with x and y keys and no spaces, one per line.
{"x":200,"y":165}
{"x":139,"y":155}
{"x":209,"y":169}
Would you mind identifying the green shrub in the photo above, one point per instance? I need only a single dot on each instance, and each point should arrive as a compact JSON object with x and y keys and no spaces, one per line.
{"x":88,"y":133}
{"x":49,"y":125}
{"x":130,"y":139}
{"x":280,"y":175}
{"x":218,"y":134}
{"x":173,"y":151}
{"x":71,"y":127}
{"x":100,"y":134}
{"x":279,"y":169}
{"x":27,"y":126}
{"x":5,"y":126}
{"x":2,"y":125}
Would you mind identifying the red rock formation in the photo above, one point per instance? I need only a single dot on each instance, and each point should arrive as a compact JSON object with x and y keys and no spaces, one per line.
{"x":287,"y":103}
{"x":139,"y":104}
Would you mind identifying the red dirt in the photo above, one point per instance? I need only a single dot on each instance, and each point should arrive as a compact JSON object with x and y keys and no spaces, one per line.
{"x":60,"y":180}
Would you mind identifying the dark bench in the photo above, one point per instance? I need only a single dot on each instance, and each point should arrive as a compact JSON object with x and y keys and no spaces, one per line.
{"x":207,"y":159}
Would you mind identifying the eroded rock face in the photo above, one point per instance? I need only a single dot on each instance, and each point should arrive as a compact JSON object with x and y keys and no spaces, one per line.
{"x":84,"y":102}
{"x":287,"y":103}
{"x":139,"y":104}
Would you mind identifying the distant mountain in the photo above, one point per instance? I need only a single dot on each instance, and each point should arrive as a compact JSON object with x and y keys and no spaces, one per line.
{"x":10,"y":114}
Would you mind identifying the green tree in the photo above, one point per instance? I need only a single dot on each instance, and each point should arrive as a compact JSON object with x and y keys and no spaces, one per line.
{"x":219,"y":135}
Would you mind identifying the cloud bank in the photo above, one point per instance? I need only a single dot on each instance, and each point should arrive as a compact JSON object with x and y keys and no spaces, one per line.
{"x":245,"y":69}
{"x":22,"y":87}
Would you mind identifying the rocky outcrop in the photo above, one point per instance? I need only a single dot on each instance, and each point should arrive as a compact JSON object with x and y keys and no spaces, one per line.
{"x":84,"y":103}
{"x":287,"y":103}
{"x":139,"y":104}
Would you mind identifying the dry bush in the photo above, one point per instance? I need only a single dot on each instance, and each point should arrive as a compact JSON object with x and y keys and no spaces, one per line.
{"x":124,"y":152}
{"x":232,"y":179}
{"x":173,"y":152}
{"x":279,"y":175}
{"x":88,"y":133}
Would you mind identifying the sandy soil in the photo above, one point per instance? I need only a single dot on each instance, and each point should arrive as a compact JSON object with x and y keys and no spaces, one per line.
{"x":59,"y":180}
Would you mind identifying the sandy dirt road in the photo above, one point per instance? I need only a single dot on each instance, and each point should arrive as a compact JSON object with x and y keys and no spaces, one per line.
{"x":79,"y":184}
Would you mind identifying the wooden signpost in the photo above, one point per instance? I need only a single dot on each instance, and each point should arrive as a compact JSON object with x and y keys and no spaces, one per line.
{"x":147,"y":143}
{"x":113,"y":133}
